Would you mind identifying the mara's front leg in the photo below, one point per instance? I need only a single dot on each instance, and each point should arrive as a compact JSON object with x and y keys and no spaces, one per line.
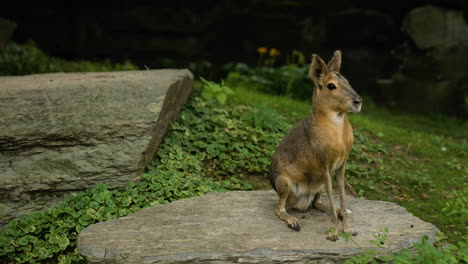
{"x":340,"y":178}
{"x":333,"y":230}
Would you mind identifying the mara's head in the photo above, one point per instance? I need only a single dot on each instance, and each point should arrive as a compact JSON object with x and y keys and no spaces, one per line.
{"x":332,"y":91}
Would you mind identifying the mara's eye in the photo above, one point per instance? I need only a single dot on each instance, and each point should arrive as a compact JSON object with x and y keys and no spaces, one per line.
{"x":331,"y":86}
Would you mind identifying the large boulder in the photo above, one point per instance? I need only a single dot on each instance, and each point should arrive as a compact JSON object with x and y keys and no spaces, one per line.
{"x":431,"y":76}
{"x":433,"y":27}
{"x":7,"y":28}
{"x":65,"y":132}
{"x":241,"y":227}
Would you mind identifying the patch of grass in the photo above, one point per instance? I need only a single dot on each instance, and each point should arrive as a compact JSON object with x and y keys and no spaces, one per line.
{"x":294,"y":110}
{"x":428,"y":156}
{"x":435,"y":124}
{"x":417,"y":161}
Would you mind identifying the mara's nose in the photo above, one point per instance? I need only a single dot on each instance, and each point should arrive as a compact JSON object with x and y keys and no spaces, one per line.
{"x":357,"y":101}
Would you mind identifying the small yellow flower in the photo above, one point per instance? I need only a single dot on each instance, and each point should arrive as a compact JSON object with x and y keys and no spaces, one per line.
{"x":274,"y":52}
{"x":262,"y":50}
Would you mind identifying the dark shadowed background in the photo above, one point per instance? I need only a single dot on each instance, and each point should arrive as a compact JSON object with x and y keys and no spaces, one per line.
{"x":407,"y":54}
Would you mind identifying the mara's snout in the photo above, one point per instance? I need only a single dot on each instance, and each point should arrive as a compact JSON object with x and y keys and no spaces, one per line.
{"x":356,"y":105}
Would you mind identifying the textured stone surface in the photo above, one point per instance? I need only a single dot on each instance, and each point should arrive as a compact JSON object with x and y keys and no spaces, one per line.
{"x":66,"y":132}
{"x":241,"y":227}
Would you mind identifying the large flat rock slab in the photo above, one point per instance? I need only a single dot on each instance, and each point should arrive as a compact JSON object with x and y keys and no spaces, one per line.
{"x":241,"y":227}
{"x":65,"y":132}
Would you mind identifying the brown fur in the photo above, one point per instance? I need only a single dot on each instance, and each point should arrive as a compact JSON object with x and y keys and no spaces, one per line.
{"x":317,"y":148}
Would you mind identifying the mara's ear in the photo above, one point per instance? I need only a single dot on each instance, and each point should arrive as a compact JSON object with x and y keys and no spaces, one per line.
{"x":335,"y":62}
{"x":318,"y":70}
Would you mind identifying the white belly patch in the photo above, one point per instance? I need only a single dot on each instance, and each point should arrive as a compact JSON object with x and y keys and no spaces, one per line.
{"x":304,"y":195}
{"x":303,"y":202}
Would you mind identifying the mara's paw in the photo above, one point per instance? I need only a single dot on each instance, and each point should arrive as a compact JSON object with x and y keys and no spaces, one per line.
{"x":349,"y":230}
{"x":332,"y":235}
{"x":294,"y":224}
{"x":350,"y":233}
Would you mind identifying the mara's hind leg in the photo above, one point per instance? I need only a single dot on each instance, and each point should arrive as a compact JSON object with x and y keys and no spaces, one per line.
{"x":284,"y":190}
{"x":317,"y":204}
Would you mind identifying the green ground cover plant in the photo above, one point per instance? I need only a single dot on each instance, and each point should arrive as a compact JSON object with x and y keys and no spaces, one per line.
{"x":421,"y":252}
{"x":290,"y":80}
{"x":22,"y":59}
